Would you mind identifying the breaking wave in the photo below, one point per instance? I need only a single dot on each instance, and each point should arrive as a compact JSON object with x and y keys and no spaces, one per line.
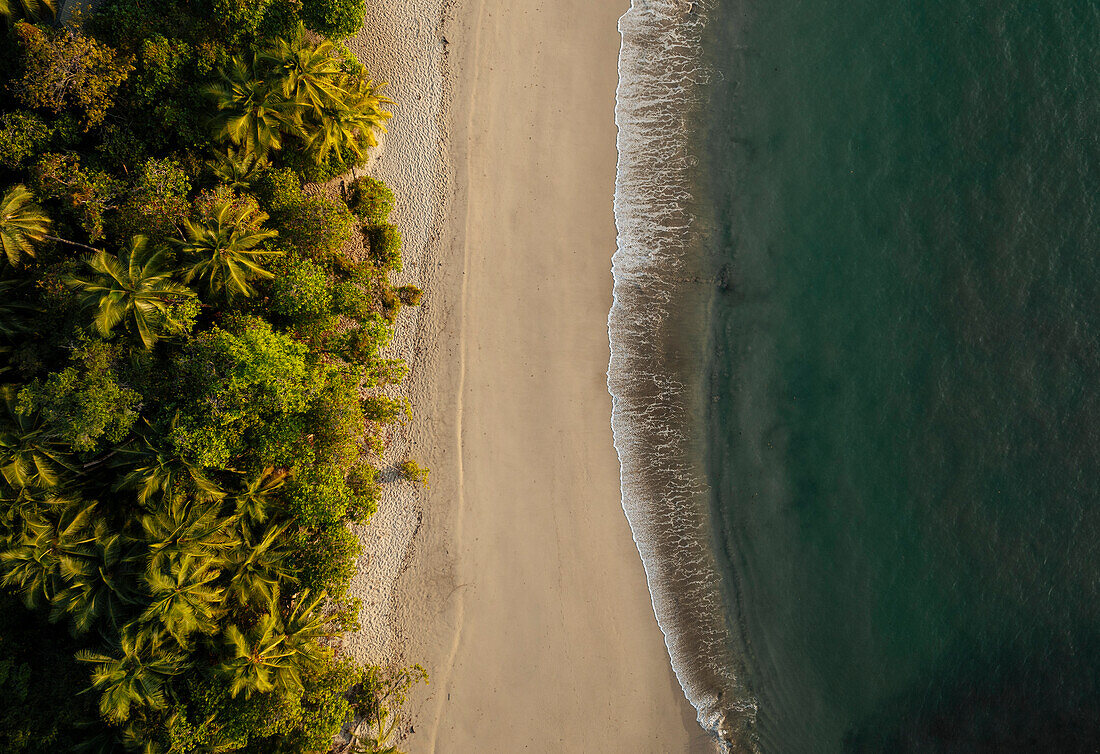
{"x":658,"y":329}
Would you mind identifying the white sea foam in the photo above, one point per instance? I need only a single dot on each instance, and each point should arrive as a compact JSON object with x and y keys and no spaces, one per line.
{"x":657,"y":329}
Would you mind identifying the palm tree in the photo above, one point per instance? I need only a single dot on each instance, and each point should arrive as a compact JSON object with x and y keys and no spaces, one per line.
{"x":224,"y":248}
{"x":137,"y":677}
{"x":31,"y":10}
{"x":252,"y":501}
{"x":135,"y":286}
{"x":29,"y":457}
{"x":184,"y":600}
{"x":57,"y":538}
{"x":257,"y":567}
{"x":251,"y":111}
{"x":101,"y":585}
{"x":184,"y":528}
{"x":351,"y":124}
{"x":22,"y":223}
{"x":274,"y":653}
{"x":309,"y":75}
{"x":237,"y":167}
{"x":156,"y":470}
{"x":259,"y":659}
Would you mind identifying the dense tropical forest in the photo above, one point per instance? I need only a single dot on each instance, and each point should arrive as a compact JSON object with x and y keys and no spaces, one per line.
{"x":191,"y":403}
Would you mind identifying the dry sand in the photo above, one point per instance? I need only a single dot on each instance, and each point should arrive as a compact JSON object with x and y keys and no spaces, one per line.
{"x":514,"y":579}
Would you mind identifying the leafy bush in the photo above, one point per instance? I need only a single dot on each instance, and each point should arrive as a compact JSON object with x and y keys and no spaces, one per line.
{"x":334,"y":19}
{"x":384,"y":242}
{"x":158,"y":202}
{"x":300,"y":291}
{"x":410,"y":295}
{"x":85,"y":195}
{"x":319,"y":496}
{"x":386,"y":410}
{"x":65,"y":69}
{"x":85,"y":402}
{"x":391,"y":305}
{"x":324,"y":558}
{"x":413,"y":472}
{"x":349,"y":300}
{"x":234,"y":382}
{"x":22,"y":135}
{"x":371,"y":200}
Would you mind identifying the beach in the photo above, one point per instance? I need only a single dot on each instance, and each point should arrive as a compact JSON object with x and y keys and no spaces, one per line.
{"x":514,"y":579}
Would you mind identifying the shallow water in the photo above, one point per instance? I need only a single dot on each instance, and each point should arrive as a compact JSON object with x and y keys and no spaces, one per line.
{"x":892,"y":223}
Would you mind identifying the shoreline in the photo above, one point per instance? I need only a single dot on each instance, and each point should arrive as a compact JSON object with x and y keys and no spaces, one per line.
{"x":494,"y":404}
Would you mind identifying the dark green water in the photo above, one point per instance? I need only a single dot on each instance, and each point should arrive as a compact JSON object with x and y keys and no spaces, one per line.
{"x":905,"y":428}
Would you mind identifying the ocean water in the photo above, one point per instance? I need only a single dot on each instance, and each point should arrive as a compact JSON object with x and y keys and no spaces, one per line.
{"x":856,"y":346}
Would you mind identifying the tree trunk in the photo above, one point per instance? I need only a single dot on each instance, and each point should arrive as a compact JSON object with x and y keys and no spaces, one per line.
{"x":70,"y":243}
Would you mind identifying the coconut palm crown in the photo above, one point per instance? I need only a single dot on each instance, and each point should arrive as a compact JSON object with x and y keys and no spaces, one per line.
{"x":22,"y":223}
{"x":223,"y":247}
{"x":134,"y":286}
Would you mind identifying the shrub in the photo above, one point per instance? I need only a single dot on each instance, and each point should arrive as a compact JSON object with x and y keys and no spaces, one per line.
{"x":300,"y":291}
{"x":316,"y":225}
{"x":334,"y":19}
{"x":391,"y":305}
{"x":319,"y":495}
{"x":409,"y":295}
{"x":22,"y":135}
{"x":371,"y":200}
{"x":363,"y":481}
{"x":325,"y":558}
{"x":65,"y":69}
{"x":361,"y":345}
{"x":85,"y":195}
{"x":84,"y":403}
{"x":349,"y":300}
{"x":232,"y":382}
{"x":238,"y":19}
{"x":158,"y":202}
{"x":384,"y":242}
{"x":386,"y":410}
{"x":413,"y":472}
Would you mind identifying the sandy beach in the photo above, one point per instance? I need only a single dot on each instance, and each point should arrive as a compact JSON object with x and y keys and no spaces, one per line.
{"x":514,"y":579}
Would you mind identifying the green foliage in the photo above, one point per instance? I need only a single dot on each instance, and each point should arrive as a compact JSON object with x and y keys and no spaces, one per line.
{"x":301,"y":291}
{"x":63,"y":69}
{"x":334,"y":19}
{"x":182,"y":503}
{"x":385,"y":410}
{"x":222,"y":247}
{"x":409,"y":295}
{"x":135,"y":288}
{"x":22,"y":224}
{"x":384,"y":242}
{"x":235,"y":382}
{"x":22,"y":135}
{"x":371,"y":200}
{"x":413,"y":472}
{"x":85,"y":404}
{"x":85,"y":195}
{"x":316,"y":225}
{"x":319,"y":496}
{"x":157,"y":204}
{"x":324,"y":558}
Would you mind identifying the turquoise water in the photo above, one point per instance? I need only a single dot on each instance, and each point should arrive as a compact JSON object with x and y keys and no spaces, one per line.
{"x":903,"y":434}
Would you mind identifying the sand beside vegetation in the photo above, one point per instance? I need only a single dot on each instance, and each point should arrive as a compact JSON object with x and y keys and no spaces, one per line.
{"x":514,"y":579}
